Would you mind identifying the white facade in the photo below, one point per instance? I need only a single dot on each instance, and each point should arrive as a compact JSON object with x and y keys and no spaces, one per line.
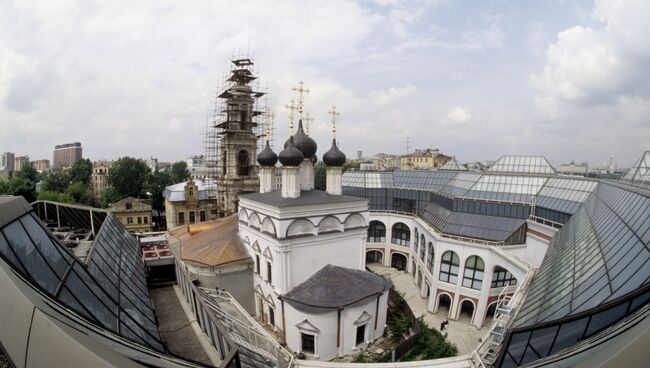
{"x":426,"y":273}
{"x":290,"y":244}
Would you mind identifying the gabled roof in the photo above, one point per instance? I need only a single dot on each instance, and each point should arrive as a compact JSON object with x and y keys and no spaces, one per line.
{"x":137,"y":205}
{"x":523,"y":164}
{"x":218,"y":245}
{"x":176,"y":192}
{"x":640,"y":171}
{"x":453,"y":164}
{"x":333,"y":287}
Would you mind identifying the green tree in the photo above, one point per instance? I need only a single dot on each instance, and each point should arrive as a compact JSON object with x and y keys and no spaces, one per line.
{"x":179,"y":171}
{"x":4,"y":187}
{"x":320,"y":175}
{"x":81,"y":171}
{"x":56,"y":182}
{"x":20,"y":186}
{"x":109,"y":197}
{"x":27,"y":172}
{"x":156,"y":187}
{"x":79,"y":192}
{"x":54,"y":197}
{"x":128,"y":176}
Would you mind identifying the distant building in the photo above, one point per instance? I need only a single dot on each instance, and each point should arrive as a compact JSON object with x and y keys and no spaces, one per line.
{"x":425,"y":159}
{"x":99,"y":178}
{"x":19,"y":161}
{"x":573,"y":169}
{"x":152,"y":164}
{"x":198,"y":168}
{"x":65,"y":155}
{"x":133,"y":213}
{"x":186,"y":203}
{"x":41,"y":165}
{"x":386,"y":162}
{"x":7,"y":162}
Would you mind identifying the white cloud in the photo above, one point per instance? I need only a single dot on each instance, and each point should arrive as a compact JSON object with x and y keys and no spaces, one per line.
{"x":458,"y":115}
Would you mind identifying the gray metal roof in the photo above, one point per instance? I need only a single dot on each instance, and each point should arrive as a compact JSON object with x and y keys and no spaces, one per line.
{"x":176,"y":192}
{"x":333,"y":287}
{"x":470,"y":225}
{"x":307,"y":198}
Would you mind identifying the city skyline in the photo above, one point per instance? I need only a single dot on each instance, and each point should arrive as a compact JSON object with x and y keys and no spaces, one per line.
{"x":480,"y":81}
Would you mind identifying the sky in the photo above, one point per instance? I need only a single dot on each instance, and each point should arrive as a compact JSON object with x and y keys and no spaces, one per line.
{"x":569,"y":80}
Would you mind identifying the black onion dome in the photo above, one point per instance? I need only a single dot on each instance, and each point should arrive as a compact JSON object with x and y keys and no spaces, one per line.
{"x":267,"y":157}
{"x":334,"y":157}
{"x":304,"y":142}
{"x":290,"y":155}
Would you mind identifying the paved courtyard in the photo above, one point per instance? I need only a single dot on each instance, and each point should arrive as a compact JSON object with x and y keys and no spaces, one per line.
{"x":461,"y":333}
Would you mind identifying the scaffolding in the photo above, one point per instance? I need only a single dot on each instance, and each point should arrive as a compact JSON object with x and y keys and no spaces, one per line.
{"x":235,"y":124}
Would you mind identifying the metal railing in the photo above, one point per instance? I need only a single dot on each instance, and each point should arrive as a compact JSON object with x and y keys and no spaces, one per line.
{"x":487,"y":353}
{"x":244,"y":330}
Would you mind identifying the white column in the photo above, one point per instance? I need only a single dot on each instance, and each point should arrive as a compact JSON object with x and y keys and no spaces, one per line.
{"x":484,"y":296}
{"x":333,"y":180}
{"x":307,"y":175}
{"x":267,"y":179}
{"x":290,"y":182}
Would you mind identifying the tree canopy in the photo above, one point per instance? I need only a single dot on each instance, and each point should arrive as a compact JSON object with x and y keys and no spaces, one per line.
{"x":156,"y":184}
{"x":81,"y":171}
{"x":128,"y":177}
{"x":179,"y":172}
{"x":56,"y":182}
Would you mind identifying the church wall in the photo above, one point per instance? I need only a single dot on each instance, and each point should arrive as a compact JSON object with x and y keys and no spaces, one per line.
{"x":324,"y":327}
{"x":310,"y":254}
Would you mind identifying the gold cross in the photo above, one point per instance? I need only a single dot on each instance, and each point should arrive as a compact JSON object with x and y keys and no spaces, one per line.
{"x":300,"y":91}
{"x":308,"y":120}
{"x":291,"y":107}
{"x":334,"y":114}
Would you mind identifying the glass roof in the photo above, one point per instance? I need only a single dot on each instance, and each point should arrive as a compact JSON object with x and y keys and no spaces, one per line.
{"x":640,"y":171}
{"x":491,"y":228}
{"x":506,"y":188}
{"x":523,"y":164}
{"x":600,"y":254}
{"x":110,"y":292}
{"x":564,"y":195}
{"x":460,"y":184}
{"x":453,"y":165}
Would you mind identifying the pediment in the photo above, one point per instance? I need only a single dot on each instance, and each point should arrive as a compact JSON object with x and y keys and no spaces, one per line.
{"x":307,"y":326}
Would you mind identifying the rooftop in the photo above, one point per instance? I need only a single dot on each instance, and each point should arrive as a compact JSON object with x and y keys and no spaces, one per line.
{"x":307,"y":198}
{"x":218,"y":243}
{"x":323,"y":289}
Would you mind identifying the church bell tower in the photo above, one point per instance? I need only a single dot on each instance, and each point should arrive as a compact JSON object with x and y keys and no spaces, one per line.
{"x":236,"y":134}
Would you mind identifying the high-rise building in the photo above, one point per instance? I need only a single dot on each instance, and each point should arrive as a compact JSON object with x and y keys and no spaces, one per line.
{"x":7,"y":162}
{"x":19,"y":161}
{"x":65,"y":155}
{"x":41,"y":165}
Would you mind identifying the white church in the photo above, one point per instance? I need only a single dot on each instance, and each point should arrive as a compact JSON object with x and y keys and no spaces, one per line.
{"x":308,"y":247}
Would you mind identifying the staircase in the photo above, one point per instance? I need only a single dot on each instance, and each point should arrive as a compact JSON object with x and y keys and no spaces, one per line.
{"x":487,"y":353}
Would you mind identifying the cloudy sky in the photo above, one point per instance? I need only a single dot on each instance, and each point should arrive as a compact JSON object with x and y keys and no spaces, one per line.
{"x":569,"y":80}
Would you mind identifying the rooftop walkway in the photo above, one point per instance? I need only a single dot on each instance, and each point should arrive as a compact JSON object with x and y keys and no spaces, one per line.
{"x":461,"y":333}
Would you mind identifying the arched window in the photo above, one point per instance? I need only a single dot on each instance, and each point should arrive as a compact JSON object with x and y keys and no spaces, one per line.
{"x":400,"y":234}
{"x":473,"y":275}
{"x":242,"y":163}
{"x":449,"y":267}
{"x":502,"y":277}
{"x":430,"y":257}
{"x":423,"y":247}
{"x":376,"y":232}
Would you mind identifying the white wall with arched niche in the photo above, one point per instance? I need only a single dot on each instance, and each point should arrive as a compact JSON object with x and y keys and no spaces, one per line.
{"x":301,"y":227}
{"x":268,"y":226}
{"x":353,"y":221}
{"x":329,"y":224}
